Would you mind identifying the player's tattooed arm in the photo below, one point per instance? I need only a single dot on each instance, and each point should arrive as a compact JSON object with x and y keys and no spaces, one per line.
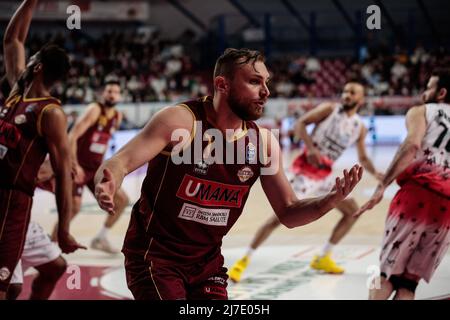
{"x":416,"y":126}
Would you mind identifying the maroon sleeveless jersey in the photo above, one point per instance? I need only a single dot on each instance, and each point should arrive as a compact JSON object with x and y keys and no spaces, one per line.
{"x":22,"y":147}
{"x":93,"y":144}
{"x":185,"y":209}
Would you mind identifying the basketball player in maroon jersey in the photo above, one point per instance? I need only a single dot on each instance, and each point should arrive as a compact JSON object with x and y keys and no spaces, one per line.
{"x":39,"y":251}
{"x":88,"y":141}
{"x":5,"y":89}
{"x":173,"y":243}
{"x":32,"y":124}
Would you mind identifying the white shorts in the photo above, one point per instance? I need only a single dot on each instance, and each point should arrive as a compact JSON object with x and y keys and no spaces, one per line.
{"x":38,"y":250}
{"x":307,"y":187}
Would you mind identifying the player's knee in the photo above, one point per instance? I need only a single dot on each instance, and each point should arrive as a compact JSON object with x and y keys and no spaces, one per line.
{"x":57,"y":269}
{"x":14,"y":291}
{"x":60,"y":266}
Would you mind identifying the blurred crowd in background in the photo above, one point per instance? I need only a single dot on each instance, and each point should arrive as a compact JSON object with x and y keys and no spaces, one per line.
{"x":151,"y":69}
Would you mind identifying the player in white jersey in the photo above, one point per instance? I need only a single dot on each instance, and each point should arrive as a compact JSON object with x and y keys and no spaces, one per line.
{"x":337,"y":127}
{"x":43,"y":255}
{"x":417,"y":231}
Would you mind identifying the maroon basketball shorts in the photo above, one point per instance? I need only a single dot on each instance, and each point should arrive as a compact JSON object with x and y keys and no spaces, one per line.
{"x":163,"y":280}
{"x":77,"y":188}
{"x":15,"y":209}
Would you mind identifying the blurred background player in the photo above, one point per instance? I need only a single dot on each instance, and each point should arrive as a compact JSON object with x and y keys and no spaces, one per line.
{"x":89,"y":139}
{"x":45,"y":256}
{"x":32,"y":124}
{"x":417,"y":231}
{"x":337,"y":127}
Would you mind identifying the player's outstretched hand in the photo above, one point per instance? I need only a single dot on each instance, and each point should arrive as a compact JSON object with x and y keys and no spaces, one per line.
{"x":68,"y":244}
{"x":344,"y":186}
{"x":373,"y":201}
{"x":104,"y":191}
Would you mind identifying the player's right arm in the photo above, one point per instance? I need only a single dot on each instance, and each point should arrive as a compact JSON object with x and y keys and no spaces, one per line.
{"x":14,"y":41}
{"x":416,"y":125}
{"x":146,"y":145}
{"x":315,"y":116}
{"x":86,"y":120}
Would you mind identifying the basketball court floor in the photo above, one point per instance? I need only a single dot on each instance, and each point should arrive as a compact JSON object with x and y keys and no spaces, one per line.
{"x":278,"y":270}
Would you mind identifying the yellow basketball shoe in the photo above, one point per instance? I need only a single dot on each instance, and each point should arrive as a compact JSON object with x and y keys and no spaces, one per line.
{"x":326,"y":264}
{"x":235,"y":273}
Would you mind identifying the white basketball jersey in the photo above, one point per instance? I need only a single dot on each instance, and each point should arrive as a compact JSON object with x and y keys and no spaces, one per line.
{"x":431,"y":166}
{"x":436,"y":142}
{"x":336,"y":133}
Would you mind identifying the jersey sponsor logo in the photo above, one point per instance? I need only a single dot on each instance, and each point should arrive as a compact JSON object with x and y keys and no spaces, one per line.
{"x":250,"y":153}
{"x":3,"y":112}
{"x":20,"y":119}
{"x":99,"y":142}
{"x":4,"y":273}
{"x":216,"y":291}
{"x":201,"y":167}
{"x":218,"y":280}
{"x":99,"y":148}
{"x":211,"y":217}
{"x":9,"y":134}
{"x":211,"y":193}
{"x":3,"y":151}
{"x":245,"y":173}
{"x":331,"y":147}
{"x":31,"y":107}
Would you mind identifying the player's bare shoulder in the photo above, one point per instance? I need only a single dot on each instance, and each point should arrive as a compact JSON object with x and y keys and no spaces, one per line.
{"x":417,"y":112}
{"x":176,"y":117}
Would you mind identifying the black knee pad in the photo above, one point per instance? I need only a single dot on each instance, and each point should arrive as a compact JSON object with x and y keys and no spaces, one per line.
{"x":400,"y":282}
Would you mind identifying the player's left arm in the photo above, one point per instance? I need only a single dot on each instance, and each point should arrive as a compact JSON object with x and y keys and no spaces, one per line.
{"x":291,"y":211}
{"x":54,"y":126}
{"x":364,"y":160}
{"x":416,"y":125}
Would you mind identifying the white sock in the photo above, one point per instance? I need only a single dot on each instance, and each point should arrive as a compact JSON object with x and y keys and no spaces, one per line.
{"x":249,"y":252}
{"x":328,"y":248}
{"x":102,"y":233}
